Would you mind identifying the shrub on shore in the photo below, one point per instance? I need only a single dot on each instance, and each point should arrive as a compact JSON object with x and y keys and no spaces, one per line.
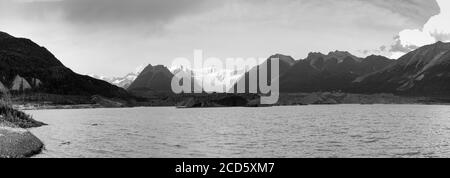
{"x":16,"y":117}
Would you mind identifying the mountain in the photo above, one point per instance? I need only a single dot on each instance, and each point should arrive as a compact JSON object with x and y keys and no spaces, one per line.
{"x":123,"y":82}
{"x":157,"y":80}
{"x":333,"y":72}
{"x":153,"y":79}
{"x":285,"y":63}
{"x":424,"y":71}
{"x":106,"y":79}
{"x":24,"y":63}
{"x":196,"y":76}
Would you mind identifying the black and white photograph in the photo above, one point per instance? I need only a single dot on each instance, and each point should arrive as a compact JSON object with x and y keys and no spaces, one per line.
{"x":224,"y":79}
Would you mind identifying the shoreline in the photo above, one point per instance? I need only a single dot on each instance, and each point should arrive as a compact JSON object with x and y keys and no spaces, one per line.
{"x":16,"y":142}
{"x":225,"y":100}
{"x":27,"y":107}
{"x":74,"y":107}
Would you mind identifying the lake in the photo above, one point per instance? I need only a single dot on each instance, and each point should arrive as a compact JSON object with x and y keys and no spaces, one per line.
{"x":292,"y":131}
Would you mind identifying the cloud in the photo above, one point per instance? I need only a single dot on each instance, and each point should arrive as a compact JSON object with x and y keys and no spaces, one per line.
{"x":104,"y":12}
{"x":117,"y":11}
{"x":436,"y":29}
{"x":87,"y":34}
{"x":399,"y":47}
{"x":417,"y":11}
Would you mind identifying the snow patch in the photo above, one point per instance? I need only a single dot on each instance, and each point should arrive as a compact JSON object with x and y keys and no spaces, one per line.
{"x":36,"y":82}
{"x":419,"y":78}
{"x":20,"y":83}
{"x":3,"y":89}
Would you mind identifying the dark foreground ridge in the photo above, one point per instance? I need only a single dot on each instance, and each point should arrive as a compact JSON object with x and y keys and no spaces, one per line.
{"x":31,"y":73}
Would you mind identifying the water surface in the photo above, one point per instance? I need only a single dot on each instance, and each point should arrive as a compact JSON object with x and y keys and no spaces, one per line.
{"x":294,"y":131}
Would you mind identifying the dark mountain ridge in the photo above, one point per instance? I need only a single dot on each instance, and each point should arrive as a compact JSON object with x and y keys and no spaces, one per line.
{"x":285,"y":63}
{"x":153,"y":78}
{"x":332,"y":72}
{"x":424,"y":71}
{"x":21,"y":58}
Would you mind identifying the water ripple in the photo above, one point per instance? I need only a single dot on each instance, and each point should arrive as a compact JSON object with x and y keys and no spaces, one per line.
{"x":312,"y":131}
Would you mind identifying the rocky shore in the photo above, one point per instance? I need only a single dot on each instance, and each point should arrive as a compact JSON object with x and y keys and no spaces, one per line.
{"x":15,"y":140}
{"x":327,"y":98}
{"x":317,"y":98}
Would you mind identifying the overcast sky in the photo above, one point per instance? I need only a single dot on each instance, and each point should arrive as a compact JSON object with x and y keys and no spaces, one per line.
{"x":114,"y":37}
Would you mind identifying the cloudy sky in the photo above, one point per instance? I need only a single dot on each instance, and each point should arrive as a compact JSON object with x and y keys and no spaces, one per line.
{"x":114,"y":37}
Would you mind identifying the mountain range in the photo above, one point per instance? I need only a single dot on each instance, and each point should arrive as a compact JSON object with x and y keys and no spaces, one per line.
{"x":123,"y":82}
{"x":422,"y":72}
{"x":332,"y":72}
{"x":28,"y":67}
